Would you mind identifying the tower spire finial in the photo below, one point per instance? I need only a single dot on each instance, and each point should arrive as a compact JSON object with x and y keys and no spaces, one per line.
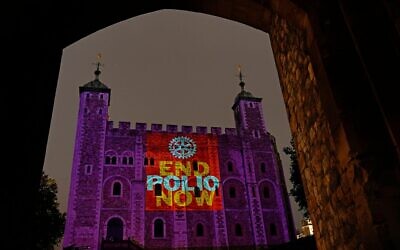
{"x":97,"y":72}
{"x":241,"y":84}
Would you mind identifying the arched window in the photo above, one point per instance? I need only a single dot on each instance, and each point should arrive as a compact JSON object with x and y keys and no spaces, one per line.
{"x":108,"y":160}
{"x":158,"y":228}
{"x":116,"y":189}
{"x":256,"y":134}
{"x":230,"y":166}
{"x":262,"y":167}
{"x":232,"y":192}
{"x":88,"y":169}
{"x":124,"y":160}
{"x":131,"y":160}
{"x":87,"y":95}
{"x":86,"y":110}
{"x":199,"y":230}
{"x":238,"y":230}
{"x":151,"y":161}
{"x":114,"y":160}
{"x":101,"y":96}
{"x":157,"y":189}
{"x":272,"y":229}
{"x":100,"y":111}
{"x":115,"y":229}
{"x":266,"y":192}
{"x":146,"y":161}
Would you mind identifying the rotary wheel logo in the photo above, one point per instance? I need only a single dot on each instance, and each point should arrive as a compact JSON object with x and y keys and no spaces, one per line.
{"x":182,"y":147}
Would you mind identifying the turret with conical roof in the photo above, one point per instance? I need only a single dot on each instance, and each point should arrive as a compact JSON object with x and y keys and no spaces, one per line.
{"x":251,"y":129}
{"x":243,"y":94}
{"x":248,"y":111}
{"x":96,"y":85}
{"x":94,"y":99}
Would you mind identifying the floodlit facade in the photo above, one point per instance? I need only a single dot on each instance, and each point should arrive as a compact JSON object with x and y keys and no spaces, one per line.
{"x":175,"y":188}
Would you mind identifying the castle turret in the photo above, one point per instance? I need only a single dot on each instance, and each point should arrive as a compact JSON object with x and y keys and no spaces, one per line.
{"x":87,"y":168}
{"x":262,"y":176}
{"x":248,"y":113}
{"x":238,"y":200}
{"x":250,"y":125}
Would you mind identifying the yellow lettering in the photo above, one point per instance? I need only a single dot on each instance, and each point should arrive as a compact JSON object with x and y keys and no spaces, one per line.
{"x":167,"y":199}
{"x":164,"y":168}
{"x":205,"y":196}
{"x":186,"y":200}
{"x":204,"y":166}
{"x":179,"y":168}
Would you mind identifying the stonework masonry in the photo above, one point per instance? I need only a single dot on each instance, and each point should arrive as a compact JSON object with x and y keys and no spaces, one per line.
{"x":338,"y":65}
{"x":337,"y":184}
{"x":109,"y":195}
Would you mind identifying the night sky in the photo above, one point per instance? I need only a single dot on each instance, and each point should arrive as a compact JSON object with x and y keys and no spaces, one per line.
{"x":168,"y":67}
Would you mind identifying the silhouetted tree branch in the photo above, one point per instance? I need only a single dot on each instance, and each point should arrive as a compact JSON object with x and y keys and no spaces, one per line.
{"x":297,"y":190}
{"x":49,"y":221}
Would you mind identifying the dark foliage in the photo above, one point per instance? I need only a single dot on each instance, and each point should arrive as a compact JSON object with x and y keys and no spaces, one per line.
{"x":49,"y":221}
{"x":297,"y":190}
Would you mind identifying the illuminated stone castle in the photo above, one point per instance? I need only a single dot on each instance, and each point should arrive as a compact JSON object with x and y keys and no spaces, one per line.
{"x":175,"y":188}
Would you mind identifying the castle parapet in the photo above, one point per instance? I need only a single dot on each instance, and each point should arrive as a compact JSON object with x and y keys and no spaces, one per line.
{"x":187,"y":129}
{"x":124,"y":129}
{"x":141,"y":127}
{"x":124,"y":125}
{"x":172,"y":128}
{"x":230,"y":131}
{"x":216,"y":130}
{"x":155,"y":127}
{"x":201,"y":130}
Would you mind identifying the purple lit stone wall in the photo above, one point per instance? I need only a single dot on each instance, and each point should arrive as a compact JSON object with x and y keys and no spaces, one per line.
{"x":83,"y":218}
{"x":249,"y":170}
{"x":206,"y":219}
{"x":166,"y":241}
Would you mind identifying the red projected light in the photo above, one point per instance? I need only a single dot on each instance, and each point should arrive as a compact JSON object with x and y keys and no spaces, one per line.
{"x":182,"y":172}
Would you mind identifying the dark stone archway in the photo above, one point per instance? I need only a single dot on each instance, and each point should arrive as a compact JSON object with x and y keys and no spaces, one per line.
{"x":337,"y":62}
{"x":115,"y":229}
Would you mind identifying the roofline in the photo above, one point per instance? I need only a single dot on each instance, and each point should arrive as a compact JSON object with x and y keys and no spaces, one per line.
{"x":257,"y":99}
{"x":90,"y":89}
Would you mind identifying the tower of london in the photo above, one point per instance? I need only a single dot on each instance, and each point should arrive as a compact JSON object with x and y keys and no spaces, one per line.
{"x":174,"y":187}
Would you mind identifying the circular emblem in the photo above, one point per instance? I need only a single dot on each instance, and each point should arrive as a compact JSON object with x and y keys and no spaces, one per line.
{"x":182,"y":147}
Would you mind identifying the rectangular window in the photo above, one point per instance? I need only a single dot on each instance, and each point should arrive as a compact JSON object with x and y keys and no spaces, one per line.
{"x":88,"y":169}
{"x":272,"y":229}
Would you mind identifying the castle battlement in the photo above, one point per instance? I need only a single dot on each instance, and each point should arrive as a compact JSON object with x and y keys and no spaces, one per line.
{"x":148,"y":166}
{"x":125,"y":129}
